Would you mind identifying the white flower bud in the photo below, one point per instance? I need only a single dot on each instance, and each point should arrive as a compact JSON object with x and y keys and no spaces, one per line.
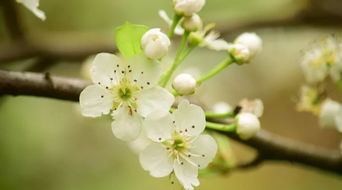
{"x":184,"y":84}
{"x":240,"y":53}
{"x":155,"y":44}
{"x":192,"y":23}
{"x":188,"y":7}
{"x":247,"y":125}
{"x":222,"y":107}
{"x":250,"y":40}
{"x":328,"y":113}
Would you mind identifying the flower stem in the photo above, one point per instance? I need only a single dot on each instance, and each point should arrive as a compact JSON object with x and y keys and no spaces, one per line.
{"x":221,"y":127}
{"x":225,"y":63}
{"x":180,"y":56}
{"x":219,"y":115}
{"x":175,"y":21}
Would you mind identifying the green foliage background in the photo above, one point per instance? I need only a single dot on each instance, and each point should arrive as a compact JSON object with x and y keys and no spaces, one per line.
{"x":47,"y":144}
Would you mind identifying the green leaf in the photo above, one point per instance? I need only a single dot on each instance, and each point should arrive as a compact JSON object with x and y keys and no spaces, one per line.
{"x":128,"y":37}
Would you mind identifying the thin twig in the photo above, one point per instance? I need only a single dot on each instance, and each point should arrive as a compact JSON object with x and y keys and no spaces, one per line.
{"x":270,"y":147}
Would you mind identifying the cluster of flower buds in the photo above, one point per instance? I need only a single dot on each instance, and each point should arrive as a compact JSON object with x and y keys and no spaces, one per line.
{"x":245,"y":47}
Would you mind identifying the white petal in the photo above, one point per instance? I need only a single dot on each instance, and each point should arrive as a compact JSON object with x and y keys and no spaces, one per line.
{"x":328,"y":112}
{"x":139,"y":144}
{"x":126,"y":125}
{"x":160,"y":129}
{"x":144,"y":72}
{"x":191,"y":117}
{"x":95,"y":100}
{"x":186,"y":174}
{"x":155,"y":160}
{"x":154,"y":102}
{"x":206,"y":147}
{"x":106,"y":69}
{"x":218,"y":45}
{"x":33,"y":5}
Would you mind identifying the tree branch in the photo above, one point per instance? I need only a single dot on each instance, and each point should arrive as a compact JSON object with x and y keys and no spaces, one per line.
{"x":270,"y":147}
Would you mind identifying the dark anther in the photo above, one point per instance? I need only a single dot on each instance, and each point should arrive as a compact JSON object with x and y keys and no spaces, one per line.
{"x":102,"y":96}
{"x":111,"y":78}
{"x":135,"y":80}
{"x":117,"y":65}
{"x":122,"y":72}
{"x":106,"y":87}
{"x":159,"y":138}
{"x":182,"y":163}
{"x":203,"y":155}
{"x":99,"y":83}
{"x":193,"y":126}
{"x":148,"y":83}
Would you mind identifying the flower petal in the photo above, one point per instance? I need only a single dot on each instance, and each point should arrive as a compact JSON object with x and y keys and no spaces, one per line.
{"x":154,"y":102}
{"x":160,"y":129}
{"x":106,"y":69}
{"x":144,"y":72}
{"x":190,"y":118}
{"x":186,"y":174}
{"x":95,"y":100}
{"x":139,"y":144}
{"x":155,"y":160}
{"x":33,"y":5}
{"x":205,"y":146}
{"x":126,"y":126}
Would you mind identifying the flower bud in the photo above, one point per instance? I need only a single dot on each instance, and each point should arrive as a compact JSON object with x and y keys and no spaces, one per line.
{"x":155,"y":44}
{"x":250,"y":40}
{"x":328,"y":113}
{"x":247,"y":125}
{"x":184,"y":84}
{"x":188,"y":7}
{"x":240,"y":53}
{"x":192,"y":23}
{"x":222,"y":107}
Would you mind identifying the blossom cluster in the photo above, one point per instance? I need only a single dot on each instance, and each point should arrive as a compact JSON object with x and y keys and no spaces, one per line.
{"x":320,"y":63}
{"x":132,"y":88}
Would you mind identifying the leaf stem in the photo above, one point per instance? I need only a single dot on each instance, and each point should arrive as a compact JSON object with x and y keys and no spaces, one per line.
{"x":339,"y":85}
{"x":221,"y":127}
{"x":225,"y":63}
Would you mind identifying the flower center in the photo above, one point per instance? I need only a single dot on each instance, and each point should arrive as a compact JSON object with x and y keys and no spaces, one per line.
{"x":125,"y":93}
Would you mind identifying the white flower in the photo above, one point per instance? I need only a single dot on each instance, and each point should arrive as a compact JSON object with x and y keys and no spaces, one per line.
{"x":33,"y":5}
{"x":310,"y":99}
{"x":329,"y":113}
{"x":240,"y":53}
{"x":155,"y":44}
{"x":255,"y":106}
{"x":222,"y":107}
{"x":192,"y":23}
{"x":188,"y":7}
{"x":247,"y":125}
{"x":179,"y":145}
{"x":250,"y":40}
{"x":184,"y":84}
{"x":126,"y":88}
{"x":323,"y":60}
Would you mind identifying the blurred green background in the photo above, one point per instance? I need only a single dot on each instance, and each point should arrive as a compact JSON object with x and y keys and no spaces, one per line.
{"x":47,"y":144}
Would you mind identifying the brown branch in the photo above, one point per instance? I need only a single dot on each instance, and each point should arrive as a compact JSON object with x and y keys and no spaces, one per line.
{"x":270,"y":147}
{"x":12,"y":19}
